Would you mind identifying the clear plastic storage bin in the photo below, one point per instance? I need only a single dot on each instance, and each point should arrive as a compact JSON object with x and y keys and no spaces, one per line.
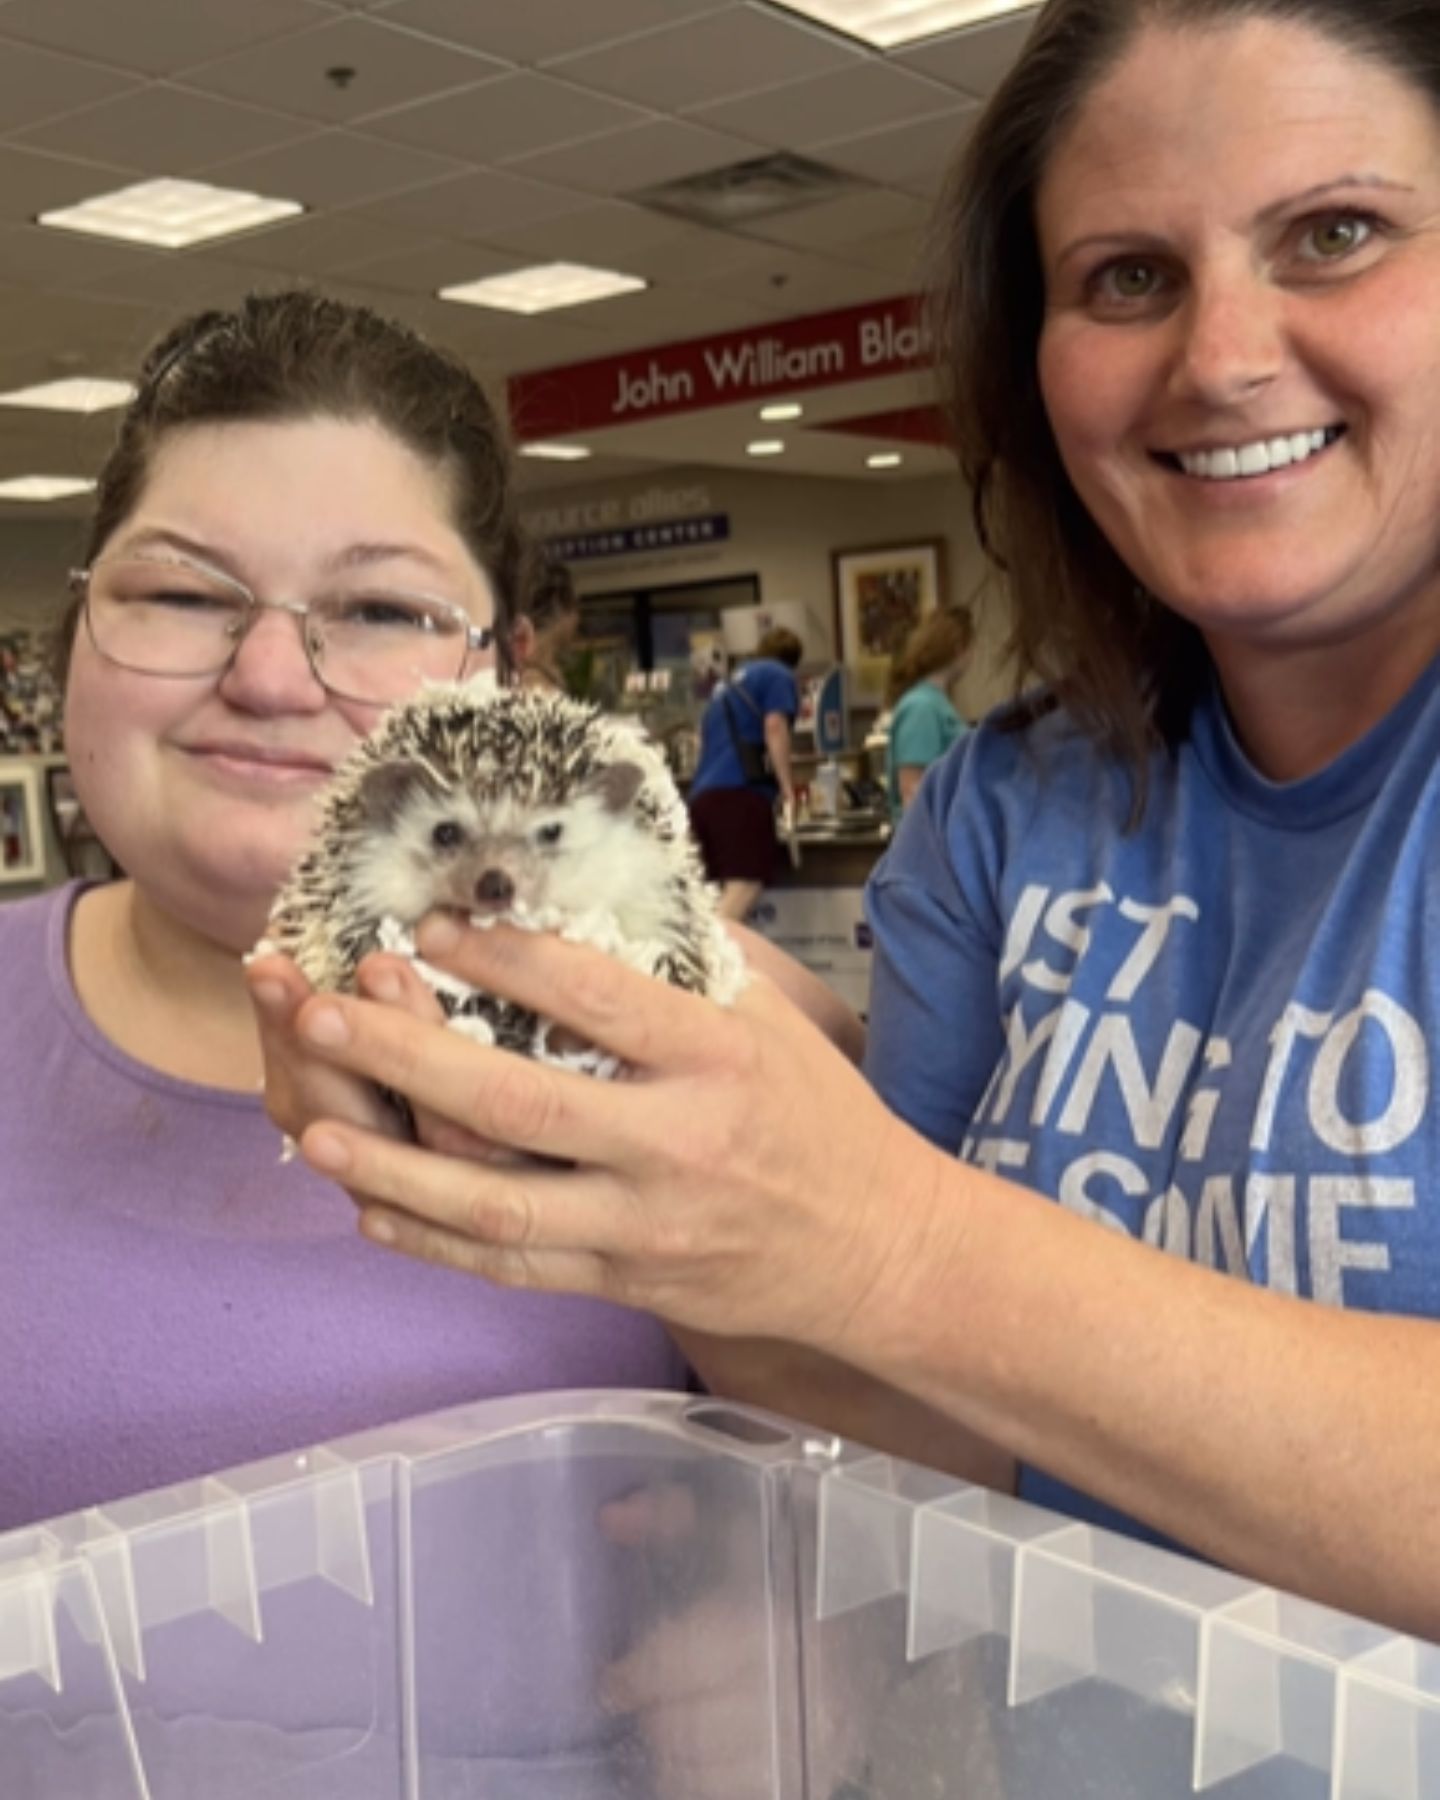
{"x":622,"y":1596}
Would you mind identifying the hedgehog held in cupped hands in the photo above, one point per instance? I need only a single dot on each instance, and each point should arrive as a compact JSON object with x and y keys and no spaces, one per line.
{"x":510,"y":805}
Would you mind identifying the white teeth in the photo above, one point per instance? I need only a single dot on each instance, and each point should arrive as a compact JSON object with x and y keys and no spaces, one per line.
{"x":1254,"y":459}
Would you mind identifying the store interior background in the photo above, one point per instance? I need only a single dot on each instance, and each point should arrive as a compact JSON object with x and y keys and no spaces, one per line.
{"x":435,"y":142}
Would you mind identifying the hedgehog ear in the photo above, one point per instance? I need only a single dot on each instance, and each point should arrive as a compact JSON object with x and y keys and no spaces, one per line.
{"x":387,"y":788}
{"x":616,"y":785}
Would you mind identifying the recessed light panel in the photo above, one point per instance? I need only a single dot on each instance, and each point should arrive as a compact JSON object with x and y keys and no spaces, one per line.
{"x":78,"y":393}
{"x":556,"y":452}
{"x":781,"y":411}
{"x":765,"y":447}
{"x":544,"y":288}
{"x":170,"y":214}
{"x":884,"y":459}
{"x":44,"y":487}
{"x":886,"y":23}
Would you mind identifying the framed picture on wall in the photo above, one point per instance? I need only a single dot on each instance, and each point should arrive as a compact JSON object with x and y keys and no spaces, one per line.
{"x":22,"y":846}
{"x":882,"y":593}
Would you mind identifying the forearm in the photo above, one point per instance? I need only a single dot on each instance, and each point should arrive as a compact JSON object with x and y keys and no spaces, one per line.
{"x":777,"y":742}
{"x":907,"y":780}
{"x":819,"y":1390}
{"x":1291,"y":1441}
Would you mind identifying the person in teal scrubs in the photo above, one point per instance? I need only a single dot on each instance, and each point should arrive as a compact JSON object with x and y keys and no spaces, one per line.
{"x":925,"y":723}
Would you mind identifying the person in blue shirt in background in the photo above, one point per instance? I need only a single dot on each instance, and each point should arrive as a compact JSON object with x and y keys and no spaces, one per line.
{"x":744,"y":769}
{"x":925,"y":722}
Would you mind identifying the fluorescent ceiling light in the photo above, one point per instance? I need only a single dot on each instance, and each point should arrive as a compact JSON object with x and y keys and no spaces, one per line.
{"x":886,"y":23}
{"x":44,"y":487}
{"x":789,"y":409}
{"x":884,"y":459}
{"x":765,"y":447}
{"x":544,"y":288}
{"x":556,"y":452}
{"x":170,"y":214}
{"x":77,"y":393}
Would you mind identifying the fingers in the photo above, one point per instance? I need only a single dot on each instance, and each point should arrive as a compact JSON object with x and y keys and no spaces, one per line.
{"x":538,"y":1271}
{"x":645,"y":1022}
{"x":493,"y":1094}
{"x":299,"y":1086}
{"x":509,"y":1217}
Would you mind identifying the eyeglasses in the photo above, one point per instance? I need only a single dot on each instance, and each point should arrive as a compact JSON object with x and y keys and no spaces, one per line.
{"x":178,"y":619}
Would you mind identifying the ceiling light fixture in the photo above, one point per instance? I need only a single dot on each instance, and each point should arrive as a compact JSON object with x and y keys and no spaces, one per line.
{"x":885,"y":23}
{"x":544,"y":288}
{"x":556,"y":452}
{"x":170,"y":214}
{"x":884,"y":459}
{"x":44,"y":487}
{"x":76,"y":393}
{"x":787,"y":409}
{"x":765,"y":447}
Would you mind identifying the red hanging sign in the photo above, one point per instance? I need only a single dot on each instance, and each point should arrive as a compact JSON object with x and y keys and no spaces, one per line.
{"x":821,"y":350}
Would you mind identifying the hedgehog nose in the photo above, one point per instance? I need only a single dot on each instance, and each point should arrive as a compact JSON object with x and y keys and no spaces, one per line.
{"x":494,"y":888}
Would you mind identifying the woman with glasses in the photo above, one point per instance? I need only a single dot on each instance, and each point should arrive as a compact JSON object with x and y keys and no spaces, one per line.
{"x":307,"y":514}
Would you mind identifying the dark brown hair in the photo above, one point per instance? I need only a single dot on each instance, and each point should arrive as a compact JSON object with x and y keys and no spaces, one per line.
{"x":781,"y":645}
{"x":299,"y":355}
{"x":1125,"y":666}
{"x":940,"y":639}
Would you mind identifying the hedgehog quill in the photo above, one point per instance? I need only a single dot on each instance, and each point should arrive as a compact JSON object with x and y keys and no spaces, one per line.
{"x":509,"y":806}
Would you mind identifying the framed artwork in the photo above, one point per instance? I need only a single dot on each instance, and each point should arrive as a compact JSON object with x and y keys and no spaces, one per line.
{"x":22,"y":845}
{"x":881,"y":594}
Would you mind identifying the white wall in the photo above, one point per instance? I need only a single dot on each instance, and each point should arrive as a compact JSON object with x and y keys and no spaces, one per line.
{"x":785,"y":528}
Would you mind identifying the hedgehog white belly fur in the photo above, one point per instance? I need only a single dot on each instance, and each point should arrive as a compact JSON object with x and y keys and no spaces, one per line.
{"x":515,"y":806}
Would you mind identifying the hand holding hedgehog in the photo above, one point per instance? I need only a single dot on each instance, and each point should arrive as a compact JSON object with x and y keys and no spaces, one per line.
{"x":504,"y":805}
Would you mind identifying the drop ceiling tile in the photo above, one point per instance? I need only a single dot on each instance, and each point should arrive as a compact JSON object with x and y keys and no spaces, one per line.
{"x":32,"y":183}
{"x":609,"y":233}
{"x":38,"y":84}
{"x":835,"y":223}
{"x":790,"y":281}
{"x":179,"y":282}
{"x":663,"y":315}
{"x":899,"y":256}
{"x":425,"y":265}
{"x":916,"y":157}
{"x":500,"y":120}
{"x":975,"y":61}
{"x":154,"y":36}
{"x":164,"y":130}
{"x":89,"y":326}
{"x":710,"y":58}
{"x":323,"y":244}
{"x":475,"y":205}
{"x":391,"y":67}
{"x":334,"y":169}
{"x":537,"y":29}
{"x":640,"y":155}
{"x":864,"y":96}
{"x":31,"y":256}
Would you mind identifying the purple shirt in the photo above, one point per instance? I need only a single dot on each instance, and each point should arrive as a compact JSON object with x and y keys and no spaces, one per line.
{"x":174,"y":1299}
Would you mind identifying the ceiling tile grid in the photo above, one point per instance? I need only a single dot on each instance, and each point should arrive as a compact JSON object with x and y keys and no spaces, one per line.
{"x":433,"y":142}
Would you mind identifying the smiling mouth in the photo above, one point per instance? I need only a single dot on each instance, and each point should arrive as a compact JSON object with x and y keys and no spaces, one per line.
{"x":1246,"y":462}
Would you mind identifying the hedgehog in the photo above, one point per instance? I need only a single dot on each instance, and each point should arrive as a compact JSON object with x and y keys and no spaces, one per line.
{"x":507,"y":805}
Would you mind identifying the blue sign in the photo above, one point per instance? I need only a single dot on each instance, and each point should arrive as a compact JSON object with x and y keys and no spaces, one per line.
{"x":638,"y":540}
{"x":832,"y":723}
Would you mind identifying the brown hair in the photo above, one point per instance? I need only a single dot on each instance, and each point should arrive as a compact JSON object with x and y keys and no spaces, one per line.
{"x":940,"y":639}
{"x":1125,"y":666}
{"x":299,"y":355}
{"x":781,"y":645}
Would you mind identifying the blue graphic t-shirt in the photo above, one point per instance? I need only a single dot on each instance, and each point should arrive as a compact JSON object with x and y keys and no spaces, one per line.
{"x":1211,"y":1033}
{"x":761,"y":687}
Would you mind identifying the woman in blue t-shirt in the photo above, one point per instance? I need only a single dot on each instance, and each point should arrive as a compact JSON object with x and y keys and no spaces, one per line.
{"x":1145,"y":1214}
{"x":925,"y":722}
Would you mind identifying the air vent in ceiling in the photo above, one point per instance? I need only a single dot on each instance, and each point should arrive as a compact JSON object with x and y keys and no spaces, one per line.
{"x":749,"y":190}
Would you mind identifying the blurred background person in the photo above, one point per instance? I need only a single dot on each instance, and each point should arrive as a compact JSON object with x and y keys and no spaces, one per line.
{"x":925,"y":722}
{"x":745,"y":769}
{"x":548,"y":621}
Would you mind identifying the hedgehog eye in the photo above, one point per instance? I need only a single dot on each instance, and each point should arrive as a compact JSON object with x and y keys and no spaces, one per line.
{"x":550,"y":834}
{"x":447,"y":835}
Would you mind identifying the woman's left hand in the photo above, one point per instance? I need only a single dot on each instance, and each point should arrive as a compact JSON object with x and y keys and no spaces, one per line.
{"x":740,"y":1180}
